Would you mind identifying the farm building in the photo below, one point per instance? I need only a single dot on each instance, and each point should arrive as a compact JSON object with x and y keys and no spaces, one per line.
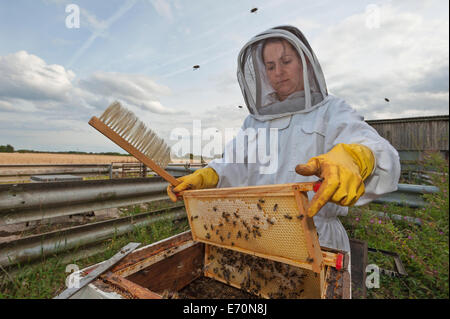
{"x":415,"y":135}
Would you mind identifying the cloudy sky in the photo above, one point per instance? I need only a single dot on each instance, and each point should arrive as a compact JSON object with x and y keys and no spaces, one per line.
{"x":55,"y":74}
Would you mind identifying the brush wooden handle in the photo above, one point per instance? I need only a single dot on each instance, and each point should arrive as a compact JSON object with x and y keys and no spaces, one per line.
{"x":120,"y":141}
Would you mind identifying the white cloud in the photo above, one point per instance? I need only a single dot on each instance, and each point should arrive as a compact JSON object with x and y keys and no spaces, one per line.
{"x":405,"y":59}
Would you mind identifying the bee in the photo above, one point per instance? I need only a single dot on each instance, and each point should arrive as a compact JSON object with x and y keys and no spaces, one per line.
{"x":221,"y":238}
{"x":271,"y":221}
{"x":246,"y":236}
{"x":300,"y":216}
{"x":228,"y":235}
{"x":310,"y":260}
{"x":204,"y":226}
{"x":221,"y":224}
{"x":254,"y":233}
{"x":262,"y":201}
{"x":256,"y":217}
{"x":287,"y":216}
{"x":259,"y":206}
{"x":239,"y":234}
{"x":232,"y":244}
{"x":256,"y":227}
{"x":244,"y":223}
{"x":208,"y":236}
{"x":234,"y":223}
{"x":212,"y":227}
{"x":217,"y":232}
{"x":275,"y":207}
{"x":236,"y":215}
{"x":211,"y":257}
{"x":215,"y":270}
{"x":215,"y":209}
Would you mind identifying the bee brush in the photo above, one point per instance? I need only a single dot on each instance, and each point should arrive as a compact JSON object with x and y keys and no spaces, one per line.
{"x":123,"y":128}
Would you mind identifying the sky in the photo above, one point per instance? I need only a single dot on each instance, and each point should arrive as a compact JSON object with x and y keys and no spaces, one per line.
{"x":55,"y":73}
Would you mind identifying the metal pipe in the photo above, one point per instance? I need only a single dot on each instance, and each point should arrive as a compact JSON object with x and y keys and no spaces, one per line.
{"x":32,"y":247}
{"x":28,"y":202}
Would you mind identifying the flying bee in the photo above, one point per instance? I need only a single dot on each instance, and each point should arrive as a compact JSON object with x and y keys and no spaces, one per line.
{"x":300,"y":216}
{"x":275,"y":207}
{"x":287,"y":216}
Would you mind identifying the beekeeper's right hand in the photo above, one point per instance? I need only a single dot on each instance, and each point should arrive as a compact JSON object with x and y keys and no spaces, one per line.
{"x":200,"y":179}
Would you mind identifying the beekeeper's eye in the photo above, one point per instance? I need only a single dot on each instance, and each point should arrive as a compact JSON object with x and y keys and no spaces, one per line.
{"x":286,"y":60}
{"x":270,"y":66}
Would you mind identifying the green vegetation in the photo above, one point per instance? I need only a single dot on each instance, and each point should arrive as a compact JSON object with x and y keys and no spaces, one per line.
{"x":6,"y":149}
{"x":423,"y":249}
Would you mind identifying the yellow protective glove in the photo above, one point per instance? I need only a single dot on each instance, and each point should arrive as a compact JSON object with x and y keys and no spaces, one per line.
{"x":201,"y":178}
{"x":343,"y":170}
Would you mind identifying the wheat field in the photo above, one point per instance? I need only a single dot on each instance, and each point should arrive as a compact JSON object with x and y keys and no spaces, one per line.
{"x":49,"y":158}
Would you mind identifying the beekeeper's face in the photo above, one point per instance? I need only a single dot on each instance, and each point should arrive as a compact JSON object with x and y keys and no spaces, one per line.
{"x":283,"y":67}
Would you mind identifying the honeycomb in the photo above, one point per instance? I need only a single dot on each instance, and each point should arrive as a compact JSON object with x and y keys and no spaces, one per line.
{"x":269,"y":226}
{"x":261,"y":277}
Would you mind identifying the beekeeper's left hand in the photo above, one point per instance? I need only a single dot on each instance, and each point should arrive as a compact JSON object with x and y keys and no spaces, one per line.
{"x":343,"y":170}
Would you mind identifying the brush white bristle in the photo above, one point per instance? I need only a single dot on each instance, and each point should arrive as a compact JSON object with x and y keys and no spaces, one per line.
{"x":131,"y":129}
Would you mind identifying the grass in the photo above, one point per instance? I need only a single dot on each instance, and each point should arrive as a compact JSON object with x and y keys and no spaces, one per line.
{"x":423,"y":249}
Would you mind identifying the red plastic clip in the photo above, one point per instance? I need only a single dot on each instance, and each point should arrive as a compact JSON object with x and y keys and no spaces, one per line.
{"x":339,"y":260}
{"x":316,"y":186}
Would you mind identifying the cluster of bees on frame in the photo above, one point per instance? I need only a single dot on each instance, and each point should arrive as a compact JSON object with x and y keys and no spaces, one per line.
{"x":243,"y":228}
{"x":257,"y":275}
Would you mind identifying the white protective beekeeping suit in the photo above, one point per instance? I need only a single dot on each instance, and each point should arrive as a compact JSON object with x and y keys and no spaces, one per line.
{"x":307,"y":123}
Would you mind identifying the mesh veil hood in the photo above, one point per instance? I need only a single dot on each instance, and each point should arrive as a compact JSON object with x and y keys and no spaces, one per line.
{"x":260,"y":98}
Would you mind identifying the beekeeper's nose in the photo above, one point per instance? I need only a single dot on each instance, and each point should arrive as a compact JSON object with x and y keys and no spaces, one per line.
{"x":279,"y":70}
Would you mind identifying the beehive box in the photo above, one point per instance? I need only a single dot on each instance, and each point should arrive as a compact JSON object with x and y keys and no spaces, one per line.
{"x":179,"y":267}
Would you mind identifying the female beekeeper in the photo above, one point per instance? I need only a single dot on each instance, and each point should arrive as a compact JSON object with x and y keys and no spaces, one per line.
{"x":317,"y":134}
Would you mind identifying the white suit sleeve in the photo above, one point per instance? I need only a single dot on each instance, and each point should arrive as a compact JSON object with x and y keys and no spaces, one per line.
{"x":347,"y":126}
{"x":231,"y":172}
